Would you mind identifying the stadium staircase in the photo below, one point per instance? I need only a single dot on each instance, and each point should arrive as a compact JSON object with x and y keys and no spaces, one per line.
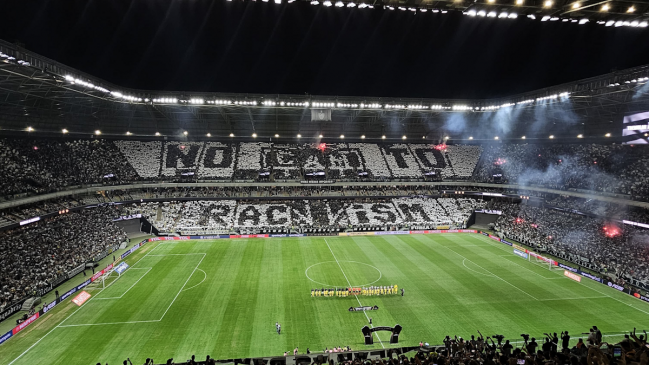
{"x":31,"y":302}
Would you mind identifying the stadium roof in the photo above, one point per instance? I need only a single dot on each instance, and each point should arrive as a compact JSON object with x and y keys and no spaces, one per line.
{"x":608,"y":13}
{"x":48,"y":97}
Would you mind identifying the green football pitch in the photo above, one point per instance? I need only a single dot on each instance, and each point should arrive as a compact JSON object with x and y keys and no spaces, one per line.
{"x":222,"y":298}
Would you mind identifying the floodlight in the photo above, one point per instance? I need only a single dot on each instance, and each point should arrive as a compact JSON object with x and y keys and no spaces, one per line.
{"x":470,"y":137}
{"x":97,"y":132}
{"x":548,"y":3}
{"x":607,"y":135}
{"x":580,"y":136}
{"x":231,"y":134}
{"x":185,"y":133}
{"x":299,"y":136}
{"x":342,"y":136}
{"x":523,"y":137}
{"x":209,"y":134}
{"x":64,"y":131}
{"x":157,"y":133}
{"x":276,"y":135}
{"x":551,"y":136}
{"x":404,"y":137}
{"x":630,"y":9}
{"x":320,"y":136}
{"x":128,"y":133}
{"x":383,"y":136}
{"x":496,"y":137}
{"x":254,"y":135}
{"x":605,"y":7}
{"x":576,"y":5}
{"x":363,"y":136}
{"x":519,"y":2}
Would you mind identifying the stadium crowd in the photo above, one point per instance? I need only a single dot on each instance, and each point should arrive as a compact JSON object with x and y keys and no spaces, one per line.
{"x":34,"y":255}
{"x":594,"y":243}
{"x":40,"y":166}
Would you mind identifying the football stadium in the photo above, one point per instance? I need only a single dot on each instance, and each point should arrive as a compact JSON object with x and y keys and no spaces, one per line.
{"x":324,"y":182}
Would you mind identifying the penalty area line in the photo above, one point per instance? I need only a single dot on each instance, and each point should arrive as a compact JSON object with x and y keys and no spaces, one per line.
{"x":71,"y":314}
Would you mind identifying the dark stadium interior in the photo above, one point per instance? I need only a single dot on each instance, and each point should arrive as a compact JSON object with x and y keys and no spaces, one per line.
{"x":511,"y":128}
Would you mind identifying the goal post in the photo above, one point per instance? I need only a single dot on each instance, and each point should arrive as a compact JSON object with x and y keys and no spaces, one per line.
{"x":544,"y":261}
{"x":109,"y":277}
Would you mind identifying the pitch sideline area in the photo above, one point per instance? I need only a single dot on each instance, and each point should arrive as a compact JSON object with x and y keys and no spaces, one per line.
{"x":223,"y":298}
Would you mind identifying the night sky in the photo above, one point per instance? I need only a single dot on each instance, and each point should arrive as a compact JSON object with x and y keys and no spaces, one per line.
{"x":248,"y":47}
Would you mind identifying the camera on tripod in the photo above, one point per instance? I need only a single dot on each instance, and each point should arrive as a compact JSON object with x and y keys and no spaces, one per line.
{"x":499,"y":338}
{"x":525,"y":336}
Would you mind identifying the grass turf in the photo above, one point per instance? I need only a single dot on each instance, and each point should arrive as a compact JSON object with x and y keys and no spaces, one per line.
{"x":223,"y":298}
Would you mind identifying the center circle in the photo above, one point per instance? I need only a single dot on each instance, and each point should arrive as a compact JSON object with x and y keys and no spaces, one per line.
{"x":322,"y":272}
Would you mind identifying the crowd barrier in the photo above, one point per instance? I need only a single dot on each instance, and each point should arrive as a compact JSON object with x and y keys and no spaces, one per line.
{"x":48,"y":307}
{"x":572,"y":269}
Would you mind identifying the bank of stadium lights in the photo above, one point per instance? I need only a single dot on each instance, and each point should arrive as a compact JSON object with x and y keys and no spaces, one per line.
{"x":436,"y":107}
{"x":394,"y":106}
{"x":341,"y":105}
{"x":371,"y":106}
{"x":461,"y":107}
{"x":245,"y":102}
{"x":417,"y":107}
{"x":165,"y":101}
{"x":319,"y":104}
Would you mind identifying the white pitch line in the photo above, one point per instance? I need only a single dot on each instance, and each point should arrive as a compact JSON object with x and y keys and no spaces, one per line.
{"x":71,"y":314}
{"x":496,"y":276}
{"x":101,"y":324}
{"x":350,"y":285}
{"x":179,"y":254}
{"x":606,"y":294}
{"x":543,"y":300}
{"x":131,"y":287}
{"x":181,"y":289}
{"x":204,"y":277}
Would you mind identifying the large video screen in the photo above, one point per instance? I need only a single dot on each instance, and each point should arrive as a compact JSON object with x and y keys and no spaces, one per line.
{"x":636,"y":125}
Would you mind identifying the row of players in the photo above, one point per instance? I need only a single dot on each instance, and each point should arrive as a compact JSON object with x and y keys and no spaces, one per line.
{"x":344,"y":292}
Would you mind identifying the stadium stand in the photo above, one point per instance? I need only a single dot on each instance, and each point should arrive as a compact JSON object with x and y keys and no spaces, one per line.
{"x":34,"y":255}
{"x":590,"y":242}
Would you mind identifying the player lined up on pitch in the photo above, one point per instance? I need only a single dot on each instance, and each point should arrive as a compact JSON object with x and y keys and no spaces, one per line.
{"x":366,"y":291}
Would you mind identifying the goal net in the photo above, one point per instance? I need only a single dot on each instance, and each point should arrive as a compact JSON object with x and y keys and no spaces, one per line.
{"x":105,"y":280}
{"x":109,"y":277}
{"x":544,"y":261}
